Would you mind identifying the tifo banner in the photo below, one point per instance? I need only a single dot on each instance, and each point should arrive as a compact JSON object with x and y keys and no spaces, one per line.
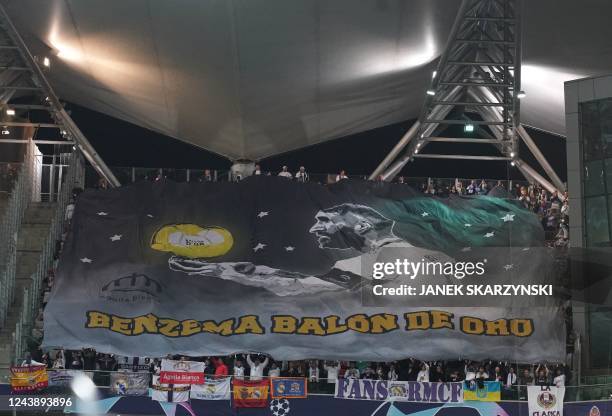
{"x":279,"y":267}
{"x":175,"y":393}
{"x":488,"y":391}
{"x":407,"y":391}
{"x":545,"y":400}
{"x":62,"y":378}
{"x":127,"y":383}
{"x":213,"y":389}
{"x":251,"y":393}
{"x":181,"y":372}
{"x":288,"y":387}
{"x":28,"y":378}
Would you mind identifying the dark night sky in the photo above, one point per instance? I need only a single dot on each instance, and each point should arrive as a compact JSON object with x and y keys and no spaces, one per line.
{"x":124,"y":144}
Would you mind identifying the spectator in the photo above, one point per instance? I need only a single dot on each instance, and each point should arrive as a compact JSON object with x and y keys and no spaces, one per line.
{"x":28,"y":361}
{"x":332,"y":369}
{"x":511,"y":379}
{"x":257,"y":170}
{"x":274,"y":370}
{"x":559,"y":380}
{"x":220,"y":368}
{"x":401,"y":180}
{"x":423,"y":375}
{"x":60,"y":360}
{"x":526,"y":378}
{"x":257,"y":367}
{"x":352,"y":371}
{"x":369,"y":373}
{"x":497,"y":375}
{"x":238,"y":370}
{"x":471,"y":188}
{"x":542,"y":376}
{"x":89,"y":359}
{"x":341,"y":176}
{"x":313,"y":372}
{"x":209,"y":368}
{"x":285,"y":173}
{"x":438,"y":374}
{"x":206,"y":176}
{"x":392,"y":374}
{"x":301,"y":175}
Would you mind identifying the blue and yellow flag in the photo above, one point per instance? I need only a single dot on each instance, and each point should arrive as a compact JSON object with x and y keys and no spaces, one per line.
{"x":490,"y":392}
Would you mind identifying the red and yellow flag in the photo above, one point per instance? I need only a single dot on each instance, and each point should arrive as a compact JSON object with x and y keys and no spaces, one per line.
{"x":29,"y":378}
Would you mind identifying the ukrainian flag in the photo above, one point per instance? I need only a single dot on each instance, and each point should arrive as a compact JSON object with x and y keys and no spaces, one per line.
{"x":491,"y":391}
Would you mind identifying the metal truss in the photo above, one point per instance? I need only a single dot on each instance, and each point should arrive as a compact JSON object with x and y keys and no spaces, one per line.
{"x":27,"y":100}
{"x":477,"y":82}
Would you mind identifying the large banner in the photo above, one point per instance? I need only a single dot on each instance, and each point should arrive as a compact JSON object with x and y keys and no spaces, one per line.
{"x":128,"y":383}
{"x":284,"y":268}
{"x":401,"y":391}
{"x":545,"y":400}
{"x":214,"y":388}
{"x":29,"y":378}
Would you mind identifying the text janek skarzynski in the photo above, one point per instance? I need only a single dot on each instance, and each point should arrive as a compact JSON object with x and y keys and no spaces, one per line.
{"x":380,"y":323}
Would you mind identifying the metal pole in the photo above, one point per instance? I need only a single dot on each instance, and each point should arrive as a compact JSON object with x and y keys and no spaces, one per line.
{"x":412,"y":131}
{"x":529,"y":171}
{"x":84,"y":145}
{"x":533,"y":147}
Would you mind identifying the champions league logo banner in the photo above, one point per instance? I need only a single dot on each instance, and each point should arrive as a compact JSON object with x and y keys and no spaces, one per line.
{"x":279,"y":267}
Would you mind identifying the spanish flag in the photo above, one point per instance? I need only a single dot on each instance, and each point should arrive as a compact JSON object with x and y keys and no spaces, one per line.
{"x":29,"y":378}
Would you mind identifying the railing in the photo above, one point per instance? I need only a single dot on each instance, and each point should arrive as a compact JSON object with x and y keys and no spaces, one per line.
{"x":136,"y":174}
{"x":31,"y":296}
{"x":326,"y":386}
{"x":13,"y":214}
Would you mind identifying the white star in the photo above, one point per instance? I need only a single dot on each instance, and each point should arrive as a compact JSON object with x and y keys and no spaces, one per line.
{"x":508,"y":266}
{"x":467,"y":225}
{"x":85,"y":260}
{"x":289,"y":248}
{"x":490,"y":234}
{"x":116,"y":237}
{"x":466,"y":249}
{"x":102,"y":213}
{"x":149,"y":215}
{"x":424,"y":214}
{"x":262,"y":214}
{"x":508,"y":217}
{"x":258,"y":247}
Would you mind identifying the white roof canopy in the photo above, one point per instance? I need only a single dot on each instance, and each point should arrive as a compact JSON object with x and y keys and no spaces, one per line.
{"x":254,"y":78}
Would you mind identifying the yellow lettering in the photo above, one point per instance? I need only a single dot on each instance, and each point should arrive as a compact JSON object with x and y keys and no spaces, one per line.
{"x":97,"y":320}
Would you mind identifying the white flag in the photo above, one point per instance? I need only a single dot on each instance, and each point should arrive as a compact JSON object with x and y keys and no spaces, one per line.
{"x":545,"y":400}
{"x":212,"y":389}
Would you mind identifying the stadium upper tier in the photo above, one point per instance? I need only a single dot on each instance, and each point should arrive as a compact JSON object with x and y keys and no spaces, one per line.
{"x":250,"y":79}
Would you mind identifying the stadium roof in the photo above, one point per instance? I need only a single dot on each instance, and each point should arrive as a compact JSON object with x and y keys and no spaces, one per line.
{"x":255,"y":78}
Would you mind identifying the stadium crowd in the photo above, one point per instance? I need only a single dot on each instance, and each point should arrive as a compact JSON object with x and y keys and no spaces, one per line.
{"x":549,"y":207}
{"x":322,"y":375}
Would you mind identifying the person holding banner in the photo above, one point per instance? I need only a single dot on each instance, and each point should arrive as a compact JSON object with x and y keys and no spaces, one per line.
{"x":257,"y":367}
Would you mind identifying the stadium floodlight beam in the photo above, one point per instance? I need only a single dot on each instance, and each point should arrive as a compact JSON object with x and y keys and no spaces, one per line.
{"x":10,"y":112}
{"x":431,"y":92}
{"x":434,"y":74}
{"x":468,"y":128}
{"x":521,"y":94}
{"x":52,"y":103}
